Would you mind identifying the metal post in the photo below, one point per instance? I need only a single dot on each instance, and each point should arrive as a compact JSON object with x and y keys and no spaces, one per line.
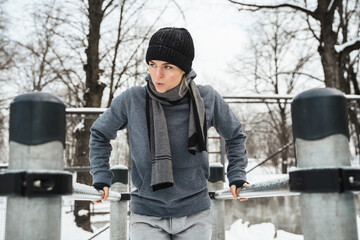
{"x":216,"y":182}
{"x":119,"y":210}
{"x":37,"y":140}
{"x":321,"y":136}
{"x":222,"y":150}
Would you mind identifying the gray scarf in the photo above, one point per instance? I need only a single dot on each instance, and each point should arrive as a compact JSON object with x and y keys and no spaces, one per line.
{"x":162,"y":173}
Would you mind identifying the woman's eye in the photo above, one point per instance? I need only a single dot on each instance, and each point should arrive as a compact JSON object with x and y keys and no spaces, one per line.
{"x":152,"y":65}
{"x":168,"y":67}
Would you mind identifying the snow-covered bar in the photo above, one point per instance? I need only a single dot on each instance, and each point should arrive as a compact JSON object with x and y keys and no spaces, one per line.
{"x":87,"y":193}
{"x":269,"y":188}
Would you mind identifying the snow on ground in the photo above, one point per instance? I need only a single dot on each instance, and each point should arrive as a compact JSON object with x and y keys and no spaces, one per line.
{"x":240,"y":230}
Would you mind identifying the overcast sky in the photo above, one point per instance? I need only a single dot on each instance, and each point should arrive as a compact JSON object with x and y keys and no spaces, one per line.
{"x":217,"y":27}
{"x":220,"y":33}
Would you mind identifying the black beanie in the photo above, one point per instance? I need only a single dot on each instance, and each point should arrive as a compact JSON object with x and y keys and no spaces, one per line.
{"x":172,"y":45}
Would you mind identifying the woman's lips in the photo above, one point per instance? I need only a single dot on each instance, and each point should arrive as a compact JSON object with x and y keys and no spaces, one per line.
{"x":159,"y":84}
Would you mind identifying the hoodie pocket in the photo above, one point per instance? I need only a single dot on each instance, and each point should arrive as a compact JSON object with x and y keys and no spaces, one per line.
{"x":188,"y":182}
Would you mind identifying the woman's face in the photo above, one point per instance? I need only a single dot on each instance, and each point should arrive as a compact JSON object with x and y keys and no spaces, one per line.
{"x":165,"y":76}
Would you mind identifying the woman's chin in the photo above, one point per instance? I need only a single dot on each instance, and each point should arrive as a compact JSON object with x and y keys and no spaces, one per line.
{"x":160,"y":90}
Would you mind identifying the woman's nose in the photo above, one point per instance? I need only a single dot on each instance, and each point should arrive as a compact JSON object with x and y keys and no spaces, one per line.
{"x":159,"y":73}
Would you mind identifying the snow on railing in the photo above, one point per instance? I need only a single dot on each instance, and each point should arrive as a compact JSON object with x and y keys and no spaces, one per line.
{"x":270,"y":188}
{"x":85,"y":192}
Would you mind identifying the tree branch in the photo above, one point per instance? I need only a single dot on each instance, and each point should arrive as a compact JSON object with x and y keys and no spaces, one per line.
{"x":351,"y":46}
{"x":302,"y":73}
{"x":284,"y":5}
{"x":107,"y":6}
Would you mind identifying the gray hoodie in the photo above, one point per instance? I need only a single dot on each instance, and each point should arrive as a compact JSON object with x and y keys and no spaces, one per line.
{"x":189,"y":194}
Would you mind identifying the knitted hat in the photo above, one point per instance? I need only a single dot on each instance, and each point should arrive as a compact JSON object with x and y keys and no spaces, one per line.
{"x":172,"y":45}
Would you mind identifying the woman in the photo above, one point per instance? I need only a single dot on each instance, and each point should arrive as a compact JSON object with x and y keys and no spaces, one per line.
{"x":168,"y":121}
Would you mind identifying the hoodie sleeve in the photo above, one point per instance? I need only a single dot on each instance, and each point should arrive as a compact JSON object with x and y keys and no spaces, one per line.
{"x":102,"y":131}
{"x":229,"y":127}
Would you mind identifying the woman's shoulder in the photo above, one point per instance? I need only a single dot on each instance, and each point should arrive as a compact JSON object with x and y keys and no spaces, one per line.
{"x":207,"y":91}
{"x":135,"y":90}
{"x":132,"y":94}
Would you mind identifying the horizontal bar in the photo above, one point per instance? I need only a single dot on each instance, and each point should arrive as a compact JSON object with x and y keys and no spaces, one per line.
{"x":87,"y":110}
{"x":269,"y":188}
{"x":280,"y":96}
{"x":257,"y":101}
{"x":92,"y":110}
{"x":70,"y":169}
{"x":87,"y":193}
{"x":77,"y":169}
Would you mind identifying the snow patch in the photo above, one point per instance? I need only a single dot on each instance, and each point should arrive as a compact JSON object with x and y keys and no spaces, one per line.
{"x":330,"y":5}
{"x":340,"y":48}
{"x":79,"y":127}
{"x":240,"y":230}
{"x":83,"y":212}
{"x":216,"y":164}
{"x":122,"y":167}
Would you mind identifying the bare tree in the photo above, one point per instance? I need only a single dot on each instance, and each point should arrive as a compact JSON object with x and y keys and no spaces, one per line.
{"x":275,"y":68}
{"x":7,"y":51}
{"x":328,"y":35}
{"x":92,"y":98}
{"x":109,"y":65}
{"x":335,"y":25}
{"x":77,"y":52}
{"x":7,"y":62}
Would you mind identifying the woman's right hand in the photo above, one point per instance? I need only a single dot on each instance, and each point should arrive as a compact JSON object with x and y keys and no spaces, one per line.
{"x":104,"y":195}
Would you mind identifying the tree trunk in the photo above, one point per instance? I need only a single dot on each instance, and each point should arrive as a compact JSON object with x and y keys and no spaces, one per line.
{"x":328,"y":38}
{"x":92,"y":98}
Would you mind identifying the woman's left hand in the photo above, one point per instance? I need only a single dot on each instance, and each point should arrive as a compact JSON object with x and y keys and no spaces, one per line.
{"x":235,"y":192}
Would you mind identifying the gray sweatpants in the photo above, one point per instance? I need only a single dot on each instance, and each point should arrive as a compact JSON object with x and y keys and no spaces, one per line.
{"x":196,"y":226}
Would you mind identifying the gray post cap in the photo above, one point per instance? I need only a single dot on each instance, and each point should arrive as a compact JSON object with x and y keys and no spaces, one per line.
{"x":120,"y":174}
{"x":37,"y":118}
{"x":216,"y":173}
{"x":318,"y":113}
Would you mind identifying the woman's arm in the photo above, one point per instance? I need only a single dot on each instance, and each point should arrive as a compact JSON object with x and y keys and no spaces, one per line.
{"x":103,"y":130}
{"x":230,"y":128}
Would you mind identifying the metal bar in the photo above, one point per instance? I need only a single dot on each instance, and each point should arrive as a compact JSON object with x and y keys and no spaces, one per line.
{"x":261,"y":97}
{"x":280,"y":96}
{"x":77,"y":169}
{"x":223,"y":151}
{"x":106,"y":227}
{"x":70,"y":169}
{"x":271,"y":156}
{"x":87,"y":110}
{"x":87,"y":193}
{"x":270,"y":101}
{"x":269,"y":188}
{"x":264,"y":98}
